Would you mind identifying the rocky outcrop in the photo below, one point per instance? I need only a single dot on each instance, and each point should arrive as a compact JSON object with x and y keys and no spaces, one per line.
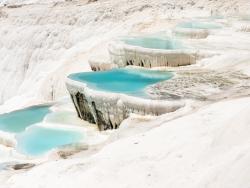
{"x":108,"y":110}
{"x":124,"y":55}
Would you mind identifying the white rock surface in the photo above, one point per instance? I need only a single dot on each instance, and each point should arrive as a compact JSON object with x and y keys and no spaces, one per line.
{"x":41,"y":43}
{"x":204,"y":149}
{"x":101,"y":64}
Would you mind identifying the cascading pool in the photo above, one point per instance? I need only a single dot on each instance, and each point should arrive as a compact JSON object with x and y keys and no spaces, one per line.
{"x":154,"y":42}
{"x":33,"y":139}
{"x":198,"y":25}
{"x":38,"y":140}
{"x":18,"y":121}
{"x":125,"y":80}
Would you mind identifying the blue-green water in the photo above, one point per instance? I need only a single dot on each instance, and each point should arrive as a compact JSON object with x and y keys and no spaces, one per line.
{"x":35,"y":140}
{"x":127,"y":81}
{"x":199,"y":25}
{"x":18,"y":121}
{"x":38,"y":140}
{"x":154,"y":42}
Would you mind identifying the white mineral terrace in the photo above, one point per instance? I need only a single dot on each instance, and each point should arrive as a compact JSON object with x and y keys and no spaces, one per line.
{"x":191,"y":131}
{"x":108,"y":110}
{"x":196,"y":29}
{"x":123,"y":55}
{"x":191,"y":33}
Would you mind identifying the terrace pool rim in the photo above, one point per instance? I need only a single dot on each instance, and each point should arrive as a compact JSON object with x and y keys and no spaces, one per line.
{"x":122,"y":55}
{"x":108,"y":109}
{"x":185,"y":25}
{"x":167,"y":76}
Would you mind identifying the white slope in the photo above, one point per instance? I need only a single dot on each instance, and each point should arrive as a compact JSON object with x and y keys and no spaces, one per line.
{"x":41,"y":43}
{"x":209,"y":148}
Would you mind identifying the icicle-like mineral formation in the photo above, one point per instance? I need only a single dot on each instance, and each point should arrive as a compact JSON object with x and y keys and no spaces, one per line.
{"x":108,"y":110}
{"x":191,"y":33}
{"x":124,"y":55}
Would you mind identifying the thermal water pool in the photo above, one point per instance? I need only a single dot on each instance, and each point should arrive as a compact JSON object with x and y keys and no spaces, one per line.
{"x":154,"y":42}
{"x":37,"y":140}
{"x":128,"y":81}
{"x":18,"y":121}
{"x":198,"y":25}
{"x":155,"y":50}
{"x":33,"y":139}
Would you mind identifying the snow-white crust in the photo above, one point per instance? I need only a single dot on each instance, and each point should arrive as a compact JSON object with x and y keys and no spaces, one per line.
{"x":209,"y":147}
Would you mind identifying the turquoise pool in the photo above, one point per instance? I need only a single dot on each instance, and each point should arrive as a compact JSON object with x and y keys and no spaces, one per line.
{"x":199,"y":25}
{"x":18,"y":121}
{"x":38,"y":140}
{"x":125,"y":80}
{"x":32,"y":139}
{"x":154,"y":42}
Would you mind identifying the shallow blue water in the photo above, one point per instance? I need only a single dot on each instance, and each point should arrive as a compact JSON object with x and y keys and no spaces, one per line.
{"x":17,"y":121}
{"x":154,"y":42}
{"x":127,"y":81}
{"x":199,"y":25}
{"x":39,"y":140}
